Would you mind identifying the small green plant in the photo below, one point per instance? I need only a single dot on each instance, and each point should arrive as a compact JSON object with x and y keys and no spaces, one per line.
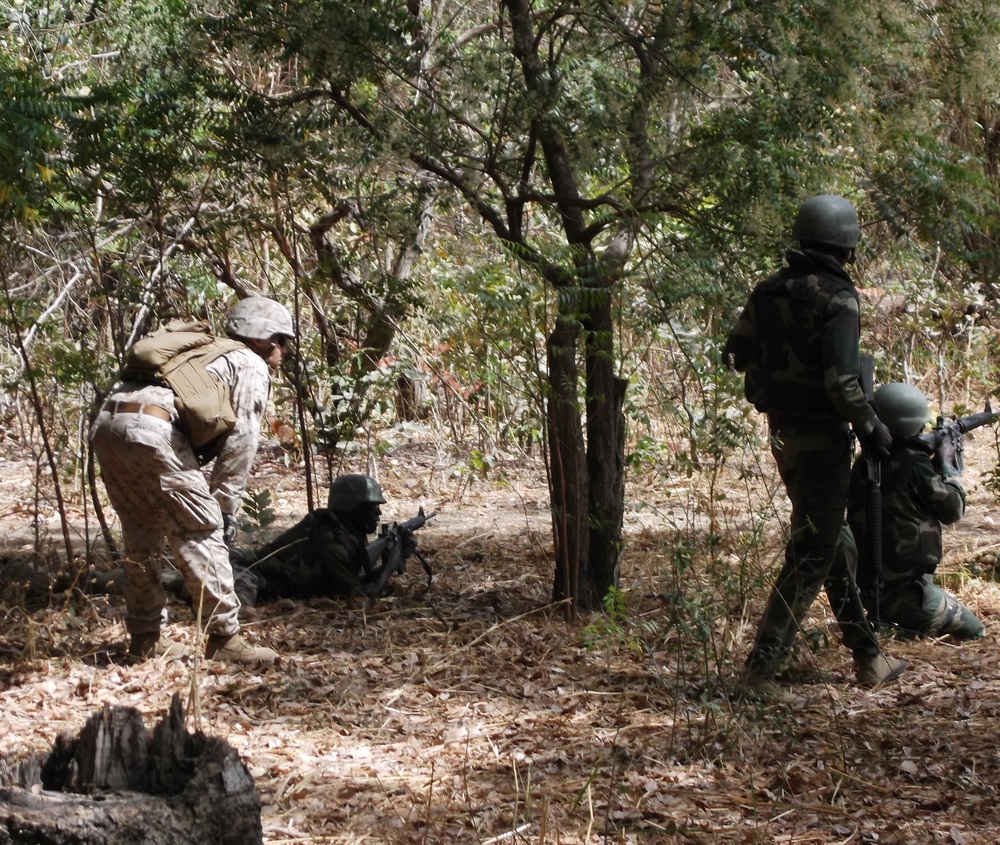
{"x":612,"y":628}
{"x":257,"y":510}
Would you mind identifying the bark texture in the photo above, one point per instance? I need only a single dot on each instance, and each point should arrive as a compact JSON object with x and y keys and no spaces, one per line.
{"x":118,"y":784}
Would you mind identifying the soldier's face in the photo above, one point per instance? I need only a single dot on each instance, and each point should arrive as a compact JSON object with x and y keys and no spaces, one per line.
{"x":273,"y":351}
{"x":368,"y":516}
{"x":277,"y":351}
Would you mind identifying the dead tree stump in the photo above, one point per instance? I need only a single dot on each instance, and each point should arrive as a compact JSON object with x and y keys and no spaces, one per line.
{"x":118,"y":784}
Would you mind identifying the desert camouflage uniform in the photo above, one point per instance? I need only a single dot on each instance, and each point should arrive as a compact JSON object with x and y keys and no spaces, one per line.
{"x":916,"y":501}
{"x":798,"y":343}
{"x":319,"y":557}
{"x":159,"y":491}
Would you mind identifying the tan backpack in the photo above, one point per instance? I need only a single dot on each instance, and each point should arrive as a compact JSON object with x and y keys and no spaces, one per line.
{"x":176,"y":356}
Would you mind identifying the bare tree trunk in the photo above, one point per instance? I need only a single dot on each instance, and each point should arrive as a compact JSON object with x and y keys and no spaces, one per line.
{"x":605,"y":456}
{"x":568,"y":473}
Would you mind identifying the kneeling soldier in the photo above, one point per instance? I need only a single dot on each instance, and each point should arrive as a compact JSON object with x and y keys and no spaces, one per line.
{"x":920,"y":492}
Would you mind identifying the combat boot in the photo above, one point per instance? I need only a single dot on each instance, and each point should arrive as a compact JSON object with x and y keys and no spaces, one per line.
{"x":144,"y":646}
{"x":232,"y":648}
{"x":877,"y":669}
{"x":765,"y":689}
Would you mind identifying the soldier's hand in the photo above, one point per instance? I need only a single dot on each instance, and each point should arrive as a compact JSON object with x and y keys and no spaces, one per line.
{"x":876,"y":445}
{"x":229,"y":529}
{"x":947,"y":455}
{"x":394,"y":552}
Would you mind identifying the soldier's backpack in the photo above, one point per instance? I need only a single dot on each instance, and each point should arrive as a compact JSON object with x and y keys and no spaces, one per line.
{"x":176,"y":356}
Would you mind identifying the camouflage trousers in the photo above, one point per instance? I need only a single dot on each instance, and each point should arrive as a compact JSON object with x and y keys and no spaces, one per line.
{"x":159,"y":493}
{"x":814,"y":461}
{"x":919,"y":607}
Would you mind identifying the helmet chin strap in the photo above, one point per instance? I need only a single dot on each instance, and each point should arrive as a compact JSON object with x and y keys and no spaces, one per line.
{"x":851,"y":256}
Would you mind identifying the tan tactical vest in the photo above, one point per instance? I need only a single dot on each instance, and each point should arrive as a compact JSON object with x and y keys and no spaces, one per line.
{"x":176,"y":356}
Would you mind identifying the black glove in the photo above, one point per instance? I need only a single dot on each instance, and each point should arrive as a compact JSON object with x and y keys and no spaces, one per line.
{"x":229,"y":529}
{"x":876,"y":445}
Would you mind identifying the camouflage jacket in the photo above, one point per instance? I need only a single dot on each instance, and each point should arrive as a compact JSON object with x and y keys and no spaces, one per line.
{"x":916,"y":501}
{"x":317,"y":557}
{"x":798,"y":343}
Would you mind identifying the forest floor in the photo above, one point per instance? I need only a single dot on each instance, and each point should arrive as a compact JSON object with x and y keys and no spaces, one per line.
{"x":477,"y":713}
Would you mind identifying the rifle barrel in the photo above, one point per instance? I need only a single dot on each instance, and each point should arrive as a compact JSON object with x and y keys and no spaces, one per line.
{"x":975,"y":420}
{"x":416,"y":521}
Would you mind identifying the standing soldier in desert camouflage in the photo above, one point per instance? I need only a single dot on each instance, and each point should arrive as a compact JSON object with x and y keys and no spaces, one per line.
{"x":920,"y":491}
{"x":798,"y":343}
{"x":154,"y":481}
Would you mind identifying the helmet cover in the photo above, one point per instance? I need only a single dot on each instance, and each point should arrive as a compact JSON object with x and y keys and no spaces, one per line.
{"x":259,"y":318}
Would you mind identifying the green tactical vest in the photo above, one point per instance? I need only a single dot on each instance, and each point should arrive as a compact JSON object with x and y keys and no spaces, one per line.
{"x":176,"y":356}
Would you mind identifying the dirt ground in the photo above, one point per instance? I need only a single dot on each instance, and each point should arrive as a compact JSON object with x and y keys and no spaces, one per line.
{"x":477,"y":714}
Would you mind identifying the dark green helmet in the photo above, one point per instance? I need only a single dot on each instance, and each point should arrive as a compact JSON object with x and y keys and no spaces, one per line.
{"x":903,"y":408}
{"x":827,"y":219}
{"x":349,"y":491}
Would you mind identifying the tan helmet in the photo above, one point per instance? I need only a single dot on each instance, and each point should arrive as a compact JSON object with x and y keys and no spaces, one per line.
{"x":259,"y":318}
{"x":349,"y":491}
{"x":903,"y":408}
{"x":827,"y":219}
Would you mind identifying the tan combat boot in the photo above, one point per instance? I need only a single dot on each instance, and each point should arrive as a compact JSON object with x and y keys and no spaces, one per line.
{"x":232,"y":648}
{"x":765,"y":689}
{"x":144,"y":646}
{"x":878,"y":669}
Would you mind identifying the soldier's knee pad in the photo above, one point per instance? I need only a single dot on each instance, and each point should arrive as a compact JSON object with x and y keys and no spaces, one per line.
{"x":956,"y":619}
{"x":968,"y":626}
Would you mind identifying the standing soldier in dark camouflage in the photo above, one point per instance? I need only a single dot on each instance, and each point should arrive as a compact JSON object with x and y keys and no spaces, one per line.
{"x":920,"y":492}
{"x":156,"y":485}
{"x":798,"y":343}
{"x":324,"y":555}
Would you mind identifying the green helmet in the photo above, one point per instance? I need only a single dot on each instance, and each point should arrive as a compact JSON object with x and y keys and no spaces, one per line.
{"x":349,"y":491}
{"x":259,"y":318}
{"x":827,"y":219}
{"x":903,"y":408}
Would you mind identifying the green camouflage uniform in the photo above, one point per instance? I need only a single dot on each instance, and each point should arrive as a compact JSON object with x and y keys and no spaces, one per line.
{"x":916,"y":501}
{"x":318,"y":557}
{"x":798,"y":343}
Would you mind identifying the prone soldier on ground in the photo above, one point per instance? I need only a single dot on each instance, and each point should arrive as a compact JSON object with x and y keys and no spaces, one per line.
{"x":920,"y":491}
{"x":327,"y":553}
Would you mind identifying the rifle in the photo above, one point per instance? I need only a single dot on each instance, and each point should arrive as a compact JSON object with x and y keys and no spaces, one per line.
{"x":873,"y":501}
{"x":873,"y":482}
{"x":389,"y":548}
{"x":951,"y":431}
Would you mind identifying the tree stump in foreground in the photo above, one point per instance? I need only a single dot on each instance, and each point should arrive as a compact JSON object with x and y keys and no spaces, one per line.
{"x":118,"y":784}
